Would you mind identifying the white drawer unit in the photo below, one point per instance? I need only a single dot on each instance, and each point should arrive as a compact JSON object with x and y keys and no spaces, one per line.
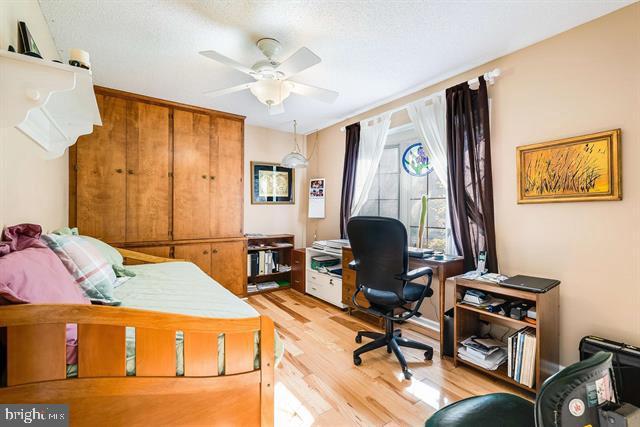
{"x":325,"y":287}
{"x":321,"y":285}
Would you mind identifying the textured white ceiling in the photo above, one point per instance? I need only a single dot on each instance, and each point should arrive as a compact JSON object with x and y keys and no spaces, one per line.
{"x":370,"y":50}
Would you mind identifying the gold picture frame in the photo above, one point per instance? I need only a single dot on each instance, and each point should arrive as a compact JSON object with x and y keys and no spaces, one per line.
{"x":272,"y":193}
{"x":578,"y":169}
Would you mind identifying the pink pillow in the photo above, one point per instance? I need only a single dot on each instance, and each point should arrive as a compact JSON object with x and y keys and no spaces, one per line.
{"x":36,"y":275}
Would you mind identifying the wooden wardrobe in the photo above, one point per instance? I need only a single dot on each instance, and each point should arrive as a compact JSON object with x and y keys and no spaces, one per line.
{"x":165,"y":179}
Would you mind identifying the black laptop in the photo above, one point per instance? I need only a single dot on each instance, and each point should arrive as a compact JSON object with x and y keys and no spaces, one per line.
{"x":529,"y":283}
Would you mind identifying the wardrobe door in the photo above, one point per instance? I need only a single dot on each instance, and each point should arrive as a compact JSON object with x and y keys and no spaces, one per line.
{"x":100,"y":174}
{"x":148,"y":166}
{"x":227,"y":168}
{"x":229,"y":265}
{"x":191,"y":175}
{"x":199,"y":254}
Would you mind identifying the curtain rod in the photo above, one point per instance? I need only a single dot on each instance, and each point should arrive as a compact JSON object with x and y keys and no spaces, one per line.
{"x":474,"y":84}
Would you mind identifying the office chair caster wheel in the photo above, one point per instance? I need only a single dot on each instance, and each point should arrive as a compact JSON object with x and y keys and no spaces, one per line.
{"x":388,"y":349}
{"x":357,"y":361}
{"x":358,"y":339}
{"x":407,"y":373}
{"x":428,"y":355}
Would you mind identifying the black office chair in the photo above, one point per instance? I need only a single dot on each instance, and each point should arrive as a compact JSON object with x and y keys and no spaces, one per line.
{"x":563,"y":400}
{"x":381,"y":261}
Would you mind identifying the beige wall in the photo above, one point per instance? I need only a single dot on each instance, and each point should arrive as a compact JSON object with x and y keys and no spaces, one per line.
{"x":267,"y":145}
{"x":581,"y":81}
{"x":32,"y":188}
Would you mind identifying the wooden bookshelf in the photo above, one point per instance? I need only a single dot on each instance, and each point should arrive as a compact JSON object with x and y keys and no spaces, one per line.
{"x":468,"y":318}
{"x":283,"y":244}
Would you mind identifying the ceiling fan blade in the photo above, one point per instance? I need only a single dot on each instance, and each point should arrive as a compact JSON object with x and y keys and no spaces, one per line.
{"x":324,"y":95}
{"x":229,"y":89}
{"x":276,"y":109}
{"x":218,"y":57}
{"x":299,"y":61}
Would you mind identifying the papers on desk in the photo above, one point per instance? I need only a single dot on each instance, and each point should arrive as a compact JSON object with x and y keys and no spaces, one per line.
{"x":331,"y":246}
{"x":487,"y":353}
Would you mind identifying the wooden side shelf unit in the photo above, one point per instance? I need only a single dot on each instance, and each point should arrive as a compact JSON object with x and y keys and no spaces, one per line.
{"x":467,"y":320}
{"x":283,"y":244}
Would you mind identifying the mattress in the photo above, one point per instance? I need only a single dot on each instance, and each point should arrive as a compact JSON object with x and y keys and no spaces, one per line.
{"x":181,"y":288}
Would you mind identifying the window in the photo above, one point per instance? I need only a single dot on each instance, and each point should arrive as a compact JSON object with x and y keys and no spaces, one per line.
{"x":384,"y":196}
{"x":435,"y":233}
{"x":396,"y":194}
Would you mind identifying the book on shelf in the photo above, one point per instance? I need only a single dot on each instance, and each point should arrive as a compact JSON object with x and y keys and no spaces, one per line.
{"x":521,"y":349}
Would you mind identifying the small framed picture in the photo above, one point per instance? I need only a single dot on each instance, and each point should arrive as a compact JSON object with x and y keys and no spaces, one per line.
{"x":272,"y":184}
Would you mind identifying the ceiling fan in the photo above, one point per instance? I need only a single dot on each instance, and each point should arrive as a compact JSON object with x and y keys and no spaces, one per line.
{"x":272,"y":85}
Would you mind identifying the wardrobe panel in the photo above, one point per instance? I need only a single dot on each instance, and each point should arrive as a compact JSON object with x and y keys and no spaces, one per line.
{"x":228,"y":191}
{"x":199,"y":254}
{"x":191,"y":175}
{"x":148,"y":167}
{"x":100,"y":184}
{"x":229,"y":265}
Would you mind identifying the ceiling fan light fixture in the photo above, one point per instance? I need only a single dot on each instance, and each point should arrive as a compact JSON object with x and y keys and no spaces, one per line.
{"x":270,"y":92}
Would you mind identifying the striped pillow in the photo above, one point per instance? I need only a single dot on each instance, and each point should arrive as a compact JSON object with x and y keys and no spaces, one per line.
{"x":91,"y":271}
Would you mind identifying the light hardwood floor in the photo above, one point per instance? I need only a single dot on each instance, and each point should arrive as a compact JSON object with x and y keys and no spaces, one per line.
{"x":318,"y":384}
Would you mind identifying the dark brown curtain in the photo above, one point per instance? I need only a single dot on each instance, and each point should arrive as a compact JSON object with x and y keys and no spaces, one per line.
{"x":349,"y":175}
{"x":469,"y":174}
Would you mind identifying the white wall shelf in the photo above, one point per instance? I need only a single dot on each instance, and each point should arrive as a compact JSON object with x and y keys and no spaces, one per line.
{"x":51,"y":103}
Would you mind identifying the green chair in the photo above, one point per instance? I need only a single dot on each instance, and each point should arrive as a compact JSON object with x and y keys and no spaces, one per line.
{"x":573,"y":385}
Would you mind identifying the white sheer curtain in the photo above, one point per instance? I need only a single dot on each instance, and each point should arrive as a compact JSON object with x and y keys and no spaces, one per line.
{"x":429,"y":117}
{"x":373,"y":135}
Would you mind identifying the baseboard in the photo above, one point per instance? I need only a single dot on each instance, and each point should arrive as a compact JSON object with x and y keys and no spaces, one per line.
{"x":427,"y":323}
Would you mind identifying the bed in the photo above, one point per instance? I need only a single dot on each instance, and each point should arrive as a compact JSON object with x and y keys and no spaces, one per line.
{"x":200,"y":355}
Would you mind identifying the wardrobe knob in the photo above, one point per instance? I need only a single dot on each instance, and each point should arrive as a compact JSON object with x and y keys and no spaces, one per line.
{"x":204,"y":176}
{"x":205,"y":252}
{"x":118,"y":170}
{"x":130,"y":171}
{"x":212,"y":177}
{"x":214,"y":251}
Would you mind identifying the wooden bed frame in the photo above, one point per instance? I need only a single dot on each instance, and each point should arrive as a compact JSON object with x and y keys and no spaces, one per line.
{"x":104,"y":394}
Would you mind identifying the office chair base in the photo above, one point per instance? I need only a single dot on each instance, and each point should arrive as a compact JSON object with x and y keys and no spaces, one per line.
{"x":392,"y":340}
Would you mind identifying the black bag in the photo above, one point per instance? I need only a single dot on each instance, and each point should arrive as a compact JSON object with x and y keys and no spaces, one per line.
{"x":626,"y":365}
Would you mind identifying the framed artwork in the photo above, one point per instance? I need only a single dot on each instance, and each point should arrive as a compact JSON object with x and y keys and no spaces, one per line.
{"x":272,"y":184}
{"x":578,"y":169}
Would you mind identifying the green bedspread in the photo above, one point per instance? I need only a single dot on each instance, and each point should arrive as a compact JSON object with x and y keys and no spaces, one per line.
{"x":181,"y":288}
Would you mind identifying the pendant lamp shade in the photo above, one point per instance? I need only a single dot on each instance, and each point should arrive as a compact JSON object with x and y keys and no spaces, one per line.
{"x":294,"y":159}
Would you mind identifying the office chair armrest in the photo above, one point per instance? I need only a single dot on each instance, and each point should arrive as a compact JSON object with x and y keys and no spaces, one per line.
{"x":353,"y":265}
{"x":415,"y":274}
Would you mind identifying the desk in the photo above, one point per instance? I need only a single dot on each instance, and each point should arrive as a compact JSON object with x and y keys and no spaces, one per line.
{"x":442,"y":269}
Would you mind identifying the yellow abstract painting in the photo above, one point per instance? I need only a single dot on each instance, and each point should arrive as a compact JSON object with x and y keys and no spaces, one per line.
{"x":573,"y":169}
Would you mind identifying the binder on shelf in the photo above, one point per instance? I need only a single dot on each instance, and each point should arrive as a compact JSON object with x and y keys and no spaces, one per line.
{"x":254,"y":265}
{"x":261,"y":269}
